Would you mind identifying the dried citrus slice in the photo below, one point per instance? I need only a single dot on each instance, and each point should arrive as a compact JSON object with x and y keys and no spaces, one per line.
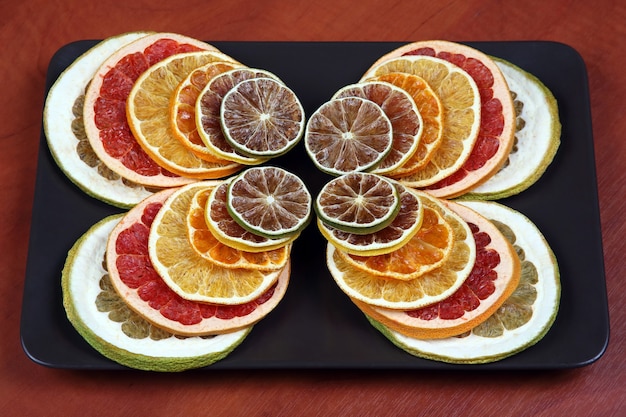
{"x":460,"y":99}
{"x":262,"y":117}
{"x":497,"y":129}
{"x":537,"y":136}
{"x":431,"y":287}
{"x":269,"y":201}
{"x":405,"y":118}
{"x":65,"y":132}
{"x":348,"y":134}
{"x":522,"y":320}
{"x":104,"y":114}
{"x":358,"y":202}
{"x":152,"y":299}
{"x":187,"y":273}
{"x":403,"y":227}
{"x":183,"y":107}
{"x":427,"y":250}
{"x":208,"y":118}
{"x":148,"y":110}
{"x":209,"y":247}
{"x":431,"y":112}
{"x":104,"y":320}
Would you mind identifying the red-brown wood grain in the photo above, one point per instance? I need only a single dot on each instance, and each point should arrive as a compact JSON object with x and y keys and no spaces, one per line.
{"x":30,"y":33}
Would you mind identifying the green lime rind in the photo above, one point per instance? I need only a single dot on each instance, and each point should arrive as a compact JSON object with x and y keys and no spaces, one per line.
{"x":538,"y":140}
{"x":475,"y":349}
{"x":80,"y":283}
{"x":62,"y":142}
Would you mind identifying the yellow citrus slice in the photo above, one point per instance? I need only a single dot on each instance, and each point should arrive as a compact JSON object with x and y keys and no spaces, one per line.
{"x":358,"y":202}
{"x":148,"y":110}
{"x":348,"y":134}
{"x":403,"y":227}
{"x":522,"y":320}
{"x":208,"y":118}
{"x":225,"y":229}
{"x":209,"y":247}
{"x":187,"y":273}
{"x":262,"y":117}
{"x":183,"y":107}
{"x":431,"y":287}
{"x":104,"y":111}
{"x":460,"y":99}
{"x":426,"y":251}
{"x":400,"y":108}
{"x":431,"y":112}
{"x":269,"y":201}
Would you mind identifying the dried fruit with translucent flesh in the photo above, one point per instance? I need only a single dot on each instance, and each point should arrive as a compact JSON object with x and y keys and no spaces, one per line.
{"x":348,"y":134}
{"x":400,"y":108}
{"x":104,"y":112}
{"x":358,"y":202}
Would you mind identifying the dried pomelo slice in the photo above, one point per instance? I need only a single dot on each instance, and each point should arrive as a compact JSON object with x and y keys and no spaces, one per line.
{"x":400,"y":108}
{"x":403,"y":227}
{"x":104,"y":114}
{"x":226,"y":230}
{"x":522,"y":320}
{"x":208,"y":118}
{"x":431,"y":287}
{"x":104,"y":320}
{"x":460,"y":99}
{"x":187,"y":273}
{"x":496,"y":135}
{"x":65,"y":132}
{"x":269,"y":201}
{"x":148,"y":113}
{"x":209,"y":247}
{"x":537,"y":136}
{"x":424,"y":252}
{"x":262,"y":117}
{"x":183,"y":107}
{"x":348,"y":134}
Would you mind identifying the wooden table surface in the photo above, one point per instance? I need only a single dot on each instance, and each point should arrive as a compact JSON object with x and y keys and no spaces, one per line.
{"x":32,"y":30}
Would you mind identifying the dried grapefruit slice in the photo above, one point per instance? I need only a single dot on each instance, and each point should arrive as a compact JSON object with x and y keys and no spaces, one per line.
{"x":104,"y":111}
{"x":460,"y":99}
{"x":522,"y":320}
{"x":537,"y":136}
{"x":122,"y":335}
{"x":348,"y":134}
{"x":148,"y":113}
{"x":209,"y":247}
{"x":406,"y":120}
{"x":187,"y":273}
{"x":65,"y":132}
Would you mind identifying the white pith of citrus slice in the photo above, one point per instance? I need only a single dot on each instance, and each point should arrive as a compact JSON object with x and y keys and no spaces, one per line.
{"x":538,"y":293}
{"x":65,"y":134}
{"x":81,"y":288}
{"x":538,"y":136}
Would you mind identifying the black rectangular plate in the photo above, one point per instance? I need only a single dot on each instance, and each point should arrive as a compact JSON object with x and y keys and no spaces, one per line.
{"x":316,"y":326}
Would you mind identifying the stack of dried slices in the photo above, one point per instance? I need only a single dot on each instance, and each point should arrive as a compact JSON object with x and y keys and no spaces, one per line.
{"x":155,"y":122}
{"x":466,"y":281}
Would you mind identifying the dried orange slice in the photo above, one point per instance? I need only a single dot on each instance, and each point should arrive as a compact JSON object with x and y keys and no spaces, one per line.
{"x":269,"y":201}
{"x":183,"y":107}
{"x":431,"y":287}
{"x":403,"y":227}
{"x":262,"y":117}
{"x":209,"y":247}
{"x":187,"y":273}
{"x":348,"y":134}
{"x":148,"y":113}
{"x":406,"y":120}
{"x":426,"y":251}
{"x":358,"y":202}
